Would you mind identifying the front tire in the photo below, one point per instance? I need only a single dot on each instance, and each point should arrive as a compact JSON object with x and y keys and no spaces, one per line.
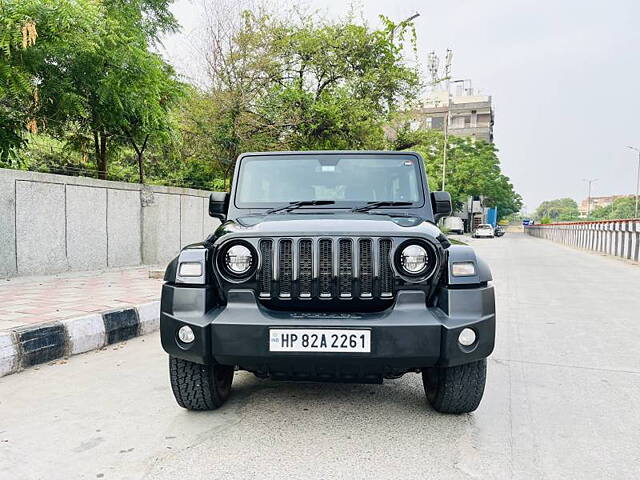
{"x":200,"y":387}
{"x":456,"y":389}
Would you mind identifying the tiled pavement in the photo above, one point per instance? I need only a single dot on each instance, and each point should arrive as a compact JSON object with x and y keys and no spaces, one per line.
{"x":29,"y":300}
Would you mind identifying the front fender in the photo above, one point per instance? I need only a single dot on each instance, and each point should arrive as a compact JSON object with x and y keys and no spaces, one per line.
{"x":464,"y":253}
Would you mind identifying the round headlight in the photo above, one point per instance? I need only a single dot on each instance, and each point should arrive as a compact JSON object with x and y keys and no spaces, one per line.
{"x":414,"y":259}
{"x":238,"y":259}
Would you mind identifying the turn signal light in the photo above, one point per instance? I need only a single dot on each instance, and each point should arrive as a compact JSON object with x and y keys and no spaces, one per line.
{"x":463,"y":269}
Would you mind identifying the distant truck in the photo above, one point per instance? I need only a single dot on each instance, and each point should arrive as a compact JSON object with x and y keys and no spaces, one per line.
{"x":454,"y":225}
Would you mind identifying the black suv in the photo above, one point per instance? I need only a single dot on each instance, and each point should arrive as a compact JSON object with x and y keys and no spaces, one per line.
{"x":328,"y":266}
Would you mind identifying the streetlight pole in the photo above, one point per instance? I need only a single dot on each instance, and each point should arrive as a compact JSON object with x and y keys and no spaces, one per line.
{"x":446,"y":140}
{"x":589,"y":181}
{"x":637,"y":179}
{"x":405,"y":22}
{"x":447,"y":118}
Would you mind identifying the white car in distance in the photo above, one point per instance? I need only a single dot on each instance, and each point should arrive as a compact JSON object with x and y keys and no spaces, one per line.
{"x":484,"y":230}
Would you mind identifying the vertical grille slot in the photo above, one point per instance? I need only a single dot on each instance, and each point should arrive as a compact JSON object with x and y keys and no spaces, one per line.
{"x":266,"y":273}
{"x":305,"y":268}
{"x":366,"y":268}
{"x":386,"y":275}
{"x":345,"y":268}
{"x":285,"y":268}
{"x":325,"y":270}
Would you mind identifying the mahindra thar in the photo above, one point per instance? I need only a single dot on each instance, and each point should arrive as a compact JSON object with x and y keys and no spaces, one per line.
{"x":328,"y":266}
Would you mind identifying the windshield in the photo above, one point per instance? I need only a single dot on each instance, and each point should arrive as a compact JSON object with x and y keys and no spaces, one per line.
{"x":346,"y":180}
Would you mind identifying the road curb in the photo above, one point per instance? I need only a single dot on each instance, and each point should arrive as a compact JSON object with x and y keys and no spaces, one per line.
{"x":8,"y":353}
{"x":30,"y":345}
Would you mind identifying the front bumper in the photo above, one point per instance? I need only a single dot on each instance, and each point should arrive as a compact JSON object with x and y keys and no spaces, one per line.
{"x":406,"y":337}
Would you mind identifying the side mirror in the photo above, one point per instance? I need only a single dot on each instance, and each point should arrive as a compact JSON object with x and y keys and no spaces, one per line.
{"x":441,"y":204}
{"x":219,"y":205}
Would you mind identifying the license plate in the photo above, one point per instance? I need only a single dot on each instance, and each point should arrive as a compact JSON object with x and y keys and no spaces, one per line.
{"x":319,"y":340}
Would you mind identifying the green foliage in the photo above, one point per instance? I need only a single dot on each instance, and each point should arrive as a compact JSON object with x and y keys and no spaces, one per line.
{"x":560,"y":210}
{"x":89,"y":76}
{"x":34,"y":33}
{"x":473,"y":169}
{"x":546,"y":220}
{"x":84,"y":76}
{"x":300,"y":85}
{"x":623,"y":207}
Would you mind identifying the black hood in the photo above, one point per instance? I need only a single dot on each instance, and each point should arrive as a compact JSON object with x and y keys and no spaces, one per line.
{"x":328,"y":224}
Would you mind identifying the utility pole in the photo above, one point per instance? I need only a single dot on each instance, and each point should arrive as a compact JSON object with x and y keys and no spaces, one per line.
{"x":589,"y":181}
{"x":637,"y":179}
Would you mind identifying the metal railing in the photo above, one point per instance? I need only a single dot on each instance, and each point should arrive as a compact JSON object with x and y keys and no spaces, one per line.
{"x":619,"y":238}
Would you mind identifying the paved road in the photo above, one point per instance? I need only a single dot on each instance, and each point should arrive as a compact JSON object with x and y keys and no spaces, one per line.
{"x":561,"y":401}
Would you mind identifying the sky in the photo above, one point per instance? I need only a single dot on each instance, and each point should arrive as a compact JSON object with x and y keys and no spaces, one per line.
{"x":564,"y":77}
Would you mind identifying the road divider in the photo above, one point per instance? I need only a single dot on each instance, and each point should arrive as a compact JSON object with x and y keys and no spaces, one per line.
{"x":26,"y":346}
{"x":619,"y":238}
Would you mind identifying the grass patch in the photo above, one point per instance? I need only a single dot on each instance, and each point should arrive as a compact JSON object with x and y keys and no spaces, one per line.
{"x":455,"y":241}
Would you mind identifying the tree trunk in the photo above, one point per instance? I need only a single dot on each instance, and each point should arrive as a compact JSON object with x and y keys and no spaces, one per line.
{"x":140,"y":168}
{"x":96,"y":146}
{"x":102,"y":161}
{"x":100,"y":145}
{"x":227,"y":173}
{"x":139,"y":155}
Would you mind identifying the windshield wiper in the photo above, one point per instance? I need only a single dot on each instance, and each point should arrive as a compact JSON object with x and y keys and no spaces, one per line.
{"x":372,"y":205}
{"x":298,"y":204}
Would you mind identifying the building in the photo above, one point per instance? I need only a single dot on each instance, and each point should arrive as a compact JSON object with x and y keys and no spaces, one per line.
{"x":598,"y":202}
{"x":468,"y":113}
{"x":475,"y":212}
{"x":465,"y":113}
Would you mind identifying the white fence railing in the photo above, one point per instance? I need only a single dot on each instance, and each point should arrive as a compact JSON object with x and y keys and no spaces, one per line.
{"x":620,"y":238}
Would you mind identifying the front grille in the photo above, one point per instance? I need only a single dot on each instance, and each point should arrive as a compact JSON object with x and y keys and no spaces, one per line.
{"x":345,"y":269}
{"x":366,"y":268}
{"x":326,"y":268}
{"x":305,"y":268}
{"x":386,"y":275}
{"x":266,"y":275}
{"x":285,"y":268}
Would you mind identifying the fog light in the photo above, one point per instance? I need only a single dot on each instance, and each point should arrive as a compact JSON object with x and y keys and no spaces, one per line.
{"x":467,"y":337}
{"x":186,"y":335}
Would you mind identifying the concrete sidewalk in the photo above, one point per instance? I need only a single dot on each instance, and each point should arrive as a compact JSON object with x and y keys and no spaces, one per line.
{"x":30,"y":300}
{"x":46,"y":318}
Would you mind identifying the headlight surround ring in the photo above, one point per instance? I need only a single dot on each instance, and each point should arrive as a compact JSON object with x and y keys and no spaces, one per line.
{"x":236,"y":253}
{"x":409,"y":252}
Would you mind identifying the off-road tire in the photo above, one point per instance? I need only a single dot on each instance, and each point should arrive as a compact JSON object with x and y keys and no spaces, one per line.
{"x":456,"y":389}
{"x":200,"y":387}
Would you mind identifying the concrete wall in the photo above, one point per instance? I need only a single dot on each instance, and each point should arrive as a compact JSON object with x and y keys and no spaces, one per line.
{"x":54,"y":223}
{"x":620,"y":238}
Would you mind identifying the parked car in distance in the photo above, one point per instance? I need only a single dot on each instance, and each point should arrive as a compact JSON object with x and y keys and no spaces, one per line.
{"x":499,"y":231}
{"x":484,"y":230}
{"x":454,"y":225}
{"x":328,"y":266}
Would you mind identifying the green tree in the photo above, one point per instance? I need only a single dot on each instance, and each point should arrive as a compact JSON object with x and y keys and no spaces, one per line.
{"x":122,"y":92}
{"x":108,"y":89}
{"x":473,"y":168}
{"x":32,"y":34}
{"x":562,"y":209}
{"x":301,"y":82}
{"x":620,"y":208}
